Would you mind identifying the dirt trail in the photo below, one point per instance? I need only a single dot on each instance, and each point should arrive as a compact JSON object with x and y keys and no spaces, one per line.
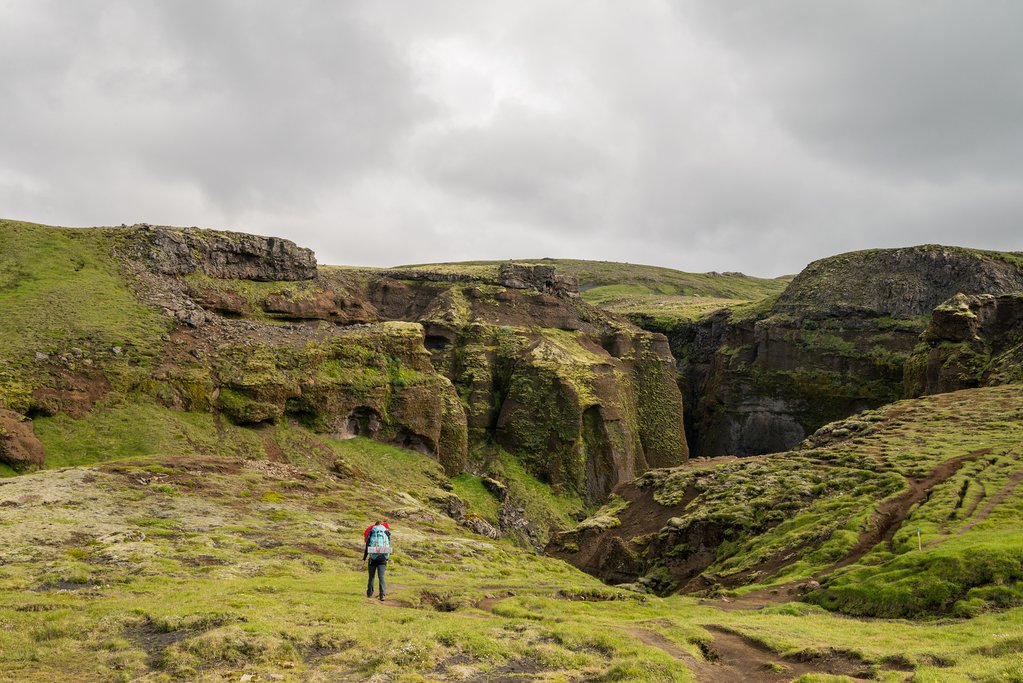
{"x":883,"y":526}
{"x":994,"y":502}
{"x":734,"y":658}
{"x":893,"y":512}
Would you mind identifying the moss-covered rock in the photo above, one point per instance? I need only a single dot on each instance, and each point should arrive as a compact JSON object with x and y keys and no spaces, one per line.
{"x":757,"y":379}
{"x":970,"y":341}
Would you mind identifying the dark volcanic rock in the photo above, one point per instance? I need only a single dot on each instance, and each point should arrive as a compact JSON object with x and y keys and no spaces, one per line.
{"x":541,"y":278}
{"x":902,"y":283}
{"x":834,"y":343}
{"x":970,"y":341}
{"x":19,"y":446}
{"x":227,"y":255}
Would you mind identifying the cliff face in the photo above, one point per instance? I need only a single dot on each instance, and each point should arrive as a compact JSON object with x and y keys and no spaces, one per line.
{"x":584,"y":400}
{"x":436,"y":361}
{"x":450,"y":361}
{"x":227,"y":255}
{"x":758,"y":379}
{"x":970,"y":341}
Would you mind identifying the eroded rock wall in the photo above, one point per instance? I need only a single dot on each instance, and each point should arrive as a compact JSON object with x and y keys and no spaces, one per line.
{"x":970,"y":341}
{"x":835,"y":342}
{"x":229,"y":255}
{"x":434,"y":361}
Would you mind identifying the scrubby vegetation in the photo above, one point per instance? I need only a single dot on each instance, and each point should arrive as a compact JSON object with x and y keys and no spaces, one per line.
{"x":239,"y":556}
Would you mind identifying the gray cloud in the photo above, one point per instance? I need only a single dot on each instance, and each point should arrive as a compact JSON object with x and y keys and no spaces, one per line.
{"x":699,"y":135}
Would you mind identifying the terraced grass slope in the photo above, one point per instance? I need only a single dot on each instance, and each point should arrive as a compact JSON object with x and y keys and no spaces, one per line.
{"x":845,"y":510}
{"x":230,"y":553}
{"x":653,"y":297}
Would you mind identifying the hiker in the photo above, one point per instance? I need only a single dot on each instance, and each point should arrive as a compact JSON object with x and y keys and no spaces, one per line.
{"x":377,"y":550}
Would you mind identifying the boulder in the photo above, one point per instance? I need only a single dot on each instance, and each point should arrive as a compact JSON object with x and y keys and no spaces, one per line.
{"x":19,"y":446}
{"x":970,"y":341}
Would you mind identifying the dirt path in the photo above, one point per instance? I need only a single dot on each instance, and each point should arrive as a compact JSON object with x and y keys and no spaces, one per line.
{"x":893,"y":512}
{"x":883,"y":525}
{"x":994,"y":502}
{"x":733,"y":658}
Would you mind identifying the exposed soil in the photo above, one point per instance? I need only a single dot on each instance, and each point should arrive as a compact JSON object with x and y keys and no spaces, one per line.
{"x":609,"y":553}
{"x":994,"y":502}
{"x":889,"y":517}
{"x":154,"y":642}
{"x":74,"y":393}
{"x":733,"y":658}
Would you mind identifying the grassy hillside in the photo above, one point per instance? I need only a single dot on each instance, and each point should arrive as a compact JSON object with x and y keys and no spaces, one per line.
{"x":216,"y":552}
{"x":845,"y":510}
{"x":659,"y":297}
{"x":60,"y":290}
{"x":163,"y":544}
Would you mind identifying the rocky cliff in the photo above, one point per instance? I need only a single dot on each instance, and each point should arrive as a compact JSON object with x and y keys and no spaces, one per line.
{"x":440,"y":362}
{"x":970,"y":341}
{"x":227,"y":255}
{"x":758,"y":378}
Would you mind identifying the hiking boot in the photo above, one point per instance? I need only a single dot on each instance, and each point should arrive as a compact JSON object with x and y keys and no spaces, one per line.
{"x":369,"y":594}
{"x":381,"y":597}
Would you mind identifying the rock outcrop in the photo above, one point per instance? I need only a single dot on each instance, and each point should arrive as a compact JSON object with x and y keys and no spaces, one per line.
{"x":584,"y":400}
{"x":835,"y":342}
{"x":970,"y":341}
{"x":439,"y":360}
{"x":540,"y":278}
{"x":579,"y":415}
{"x":19,"y":446}
{"x":226,"y":255}
{"x":374,"y":381}
{"x":901,"y":283}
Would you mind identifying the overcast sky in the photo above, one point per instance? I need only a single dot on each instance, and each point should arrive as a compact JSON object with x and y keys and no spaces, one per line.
{"x":753,"y":136}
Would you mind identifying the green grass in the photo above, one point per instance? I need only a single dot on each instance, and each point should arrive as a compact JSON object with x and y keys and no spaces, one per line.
{"x":481,"y":501}
{"x":213,"y":562}
{"x":124,"y":428}
{"x":548,"y":509}
{"x":60,"y":288}
{"x":812,"y":505}
{"x":652,"y":297}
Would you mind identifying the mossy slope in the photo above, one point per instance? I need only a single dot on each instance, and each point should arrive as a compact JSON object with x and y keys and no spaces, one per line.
{"x":794,"y":515}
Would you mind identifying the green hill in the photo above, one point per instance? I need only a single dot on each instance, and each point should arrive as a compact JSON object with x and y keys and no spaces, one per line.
{"x":845,"y":509}
{"x":656,"y":297}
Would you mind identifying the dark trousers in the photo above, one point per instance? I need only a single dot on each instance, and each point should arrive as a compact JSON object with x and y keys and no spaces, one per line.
{"x":376,"y":567}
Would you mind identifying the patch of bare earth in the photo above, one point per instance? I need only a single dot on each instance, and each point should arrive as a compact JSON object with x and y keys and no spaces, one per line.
{"x":889,"y":517}
{"x":733,"y":658}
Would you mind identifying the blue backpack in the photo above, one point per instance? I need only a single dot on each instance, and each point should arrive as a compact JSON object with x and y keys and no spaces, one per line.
{"x":379,"y":544}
